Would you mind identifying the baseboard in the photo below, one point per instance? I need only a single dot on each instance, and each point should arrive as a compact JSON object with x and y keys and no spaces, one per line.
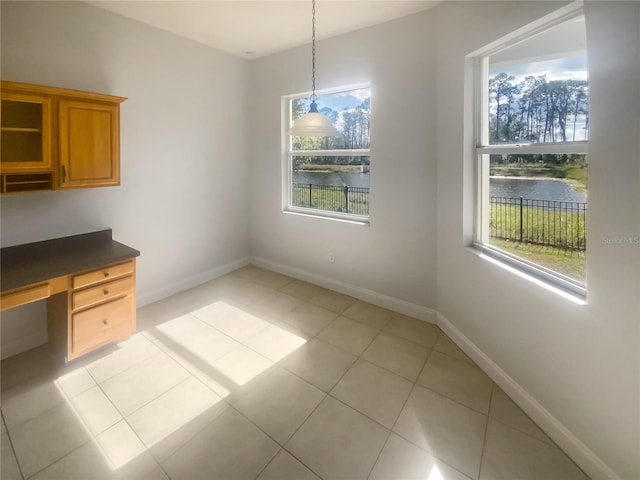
{"x":366,"y":295}
{"x":183,"y":284}
{"x":578,"y":451}
{"x":24,"y":343}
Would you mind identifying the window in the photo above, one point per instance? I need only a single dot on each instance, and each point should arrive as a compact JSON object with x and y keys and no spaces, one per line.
{"x":532,"y":130}
{"x":329,"y":176}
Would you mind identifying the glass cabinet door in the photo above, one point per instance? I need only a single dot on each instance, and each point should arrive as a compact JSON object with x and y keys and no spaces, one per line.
{"x":26,"y":133}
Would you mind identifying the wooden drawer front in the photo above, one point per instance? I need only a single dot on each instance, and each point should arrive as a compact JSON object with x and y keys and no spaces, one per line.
{"x":101,"y":325}
{"x":103,"y":274}
{"x":26,"y":295}
{"x":103,"y":292}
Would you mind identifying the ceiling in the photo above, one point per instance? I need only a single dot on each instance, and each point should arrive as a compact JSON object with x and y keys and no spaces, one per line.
{"x":252,"y":29}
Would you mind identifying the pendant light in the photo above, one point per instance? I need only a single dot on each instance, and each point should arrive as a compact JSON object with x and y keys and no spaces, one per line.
{"x":313,"y":123}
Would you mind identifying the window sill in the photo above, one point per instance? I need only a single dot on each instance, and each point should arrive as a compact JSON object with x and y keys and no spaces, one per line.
{"x":322,"y":215}
{"x":557,"y":284}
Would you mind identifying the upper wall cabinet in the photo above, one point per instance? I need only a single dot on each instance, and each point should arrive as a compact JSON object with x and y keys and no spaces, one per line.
{"x":55,"y":138}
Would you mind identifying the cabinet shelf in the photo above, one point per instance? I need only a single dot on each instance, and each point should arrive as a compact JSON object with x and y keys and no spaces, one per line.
{"x":21,"y":129}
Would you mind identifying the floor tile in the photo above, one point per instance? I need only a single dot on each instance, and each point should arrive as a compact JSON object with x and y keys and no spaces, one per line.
{"x":286,"y":467}
{"x":249,"y":293}
{"x":309,"y":318}
{"x":8,"y":465}
{"x":275,"y":342}
{"x":462,"y":381}
{"x":272,"y":279}
{"x":120,"y":444}
{"x":47,"y":438}
{"x":349,"y":335}
{"x":237,"y":322}
{"x":450,"y":431}
{"x":280,"y":403}
{"x":414,"y":330}
{"x":511,"y":454}
{"x":397,"y":355}
{"x":402,"y":460}
{"x":373,"y":391}
{"x":275,"y":305}
{"x":505,"y":410}
{"x":127,"y":354}
{"x":75,"y":382}
{"x":447,"y":346}
{"x":26,"y":366}
{"x":302,"y":290}
{"x":334,"y":301}
{"x":194,"y":344}
{"x":26,"y":401}
{"x":230,"y":447}
{"x":372,"y":315}
{"x":338,"y":442}
{"x":95,"y":410}
{"x":319,"y":363}
{"x":137,"y":386}
{"x":242,"y":365}
{"x":173,"y":418}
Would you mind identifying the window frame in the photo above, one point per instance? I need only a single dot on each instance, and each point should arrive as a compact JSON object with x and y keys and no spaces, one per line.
{"x":288,"y":153}
{"x":482,"y":149}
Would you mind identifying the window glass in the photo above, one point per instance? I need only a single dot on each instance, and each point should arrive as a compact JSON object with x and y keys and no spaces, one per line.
{"x":329,"y":176}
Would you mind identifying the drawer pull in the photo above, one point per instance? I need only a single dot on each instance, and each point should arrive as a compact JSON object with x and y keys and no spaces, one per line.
{"x":105,"y":291}
{"x":106,"y":274}
{"x":105,"y":322}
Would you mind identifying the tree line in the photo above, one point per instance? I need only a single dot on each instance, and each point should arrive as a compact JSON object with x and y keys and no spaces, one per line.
{"x":536,"y":110}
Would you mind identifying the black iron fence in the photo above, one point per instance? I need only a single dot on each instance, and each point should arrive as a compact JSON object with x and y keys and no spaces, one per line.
{"x":540,"y":222}
{"x":332,"y":198}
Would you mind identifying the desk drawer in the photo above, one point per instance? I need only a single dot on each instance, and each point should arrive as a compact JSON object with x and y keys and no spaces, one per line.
{"x":101,"y":325}
{"x":102,"y":292}
{"x":103,"y":274}
{"x":25,"y":295}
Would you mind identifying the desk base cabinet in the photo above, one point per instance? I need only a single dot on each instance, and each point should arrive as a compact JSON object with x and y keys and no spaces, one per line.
{"x":98,"y":309}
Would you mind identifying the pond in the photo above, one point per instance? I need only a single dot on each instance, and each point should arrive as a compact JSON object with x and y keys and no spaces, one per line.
{"x":332,"y":178}
{"x":538,"y":189}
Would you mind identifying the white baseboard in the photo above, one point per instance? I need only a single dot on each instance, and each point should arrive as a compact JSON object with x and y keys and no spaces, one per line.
{"x":578,"y":451}
{"x":183,"y":284}
{"x":376,"y":298}
{"x":24,"y":343}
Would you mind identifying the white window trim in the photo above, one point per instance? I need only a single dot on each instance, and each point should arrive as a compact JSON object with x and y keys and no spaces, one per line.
{"x":288,"y":153}
{"x":551,"y":278}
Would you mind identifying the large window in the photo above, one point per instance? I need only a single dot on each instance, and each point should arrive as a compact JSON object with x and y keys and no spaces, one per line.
{"x":532,"y":118}
{"x":329,"y":176}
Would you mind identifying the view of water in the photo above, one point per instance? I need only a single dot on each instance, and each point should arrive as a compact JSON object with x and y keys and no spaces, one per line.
{"x":500,"y":187}
{"x":534,"y":189}
{"x":331,"y":178}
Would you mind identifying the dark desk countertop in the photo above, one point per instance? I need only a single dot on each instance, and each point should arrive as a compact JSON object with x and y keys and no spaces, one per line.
{"x":22,"y":265}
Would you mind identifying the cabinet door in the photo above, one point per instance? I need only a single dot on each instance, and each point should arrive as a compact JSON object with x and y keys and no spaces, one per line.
{"x":89,"y":144}
{"x":26,"y":133}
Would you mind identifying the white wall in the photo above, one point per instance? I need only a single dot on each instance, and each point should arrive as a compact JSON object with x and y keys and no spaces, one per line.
{"x":579,"y":363}
{"x":183,"y":199}
{"x":395,"y":255}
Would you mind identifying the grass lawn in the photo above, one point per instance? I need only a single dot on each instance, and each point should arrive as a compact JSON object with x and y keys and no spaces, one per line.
{"x":568,"y":262}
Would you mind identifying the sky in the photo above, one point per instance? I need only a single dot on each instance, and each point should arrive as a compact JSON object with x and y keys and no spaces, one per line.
{"x":558,"y":69}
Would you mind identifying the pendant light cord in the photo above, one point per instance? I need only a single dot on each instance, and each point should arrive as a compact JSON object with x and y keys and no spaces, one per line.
{"x":314,"y":97}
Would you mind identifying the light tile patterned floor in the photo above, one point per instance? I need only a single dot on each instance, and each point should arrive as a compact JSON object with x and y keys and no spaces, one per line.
{"x":256,"y":375}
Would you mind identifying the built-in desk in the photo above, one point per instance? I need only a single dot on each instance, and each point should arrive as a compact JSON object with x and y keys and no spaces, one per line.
{"x":89,"y":282}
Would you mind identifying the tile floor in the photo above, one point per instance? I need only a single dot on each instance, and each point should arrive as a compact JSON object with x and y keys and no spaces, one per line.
{"x":256,"y":375}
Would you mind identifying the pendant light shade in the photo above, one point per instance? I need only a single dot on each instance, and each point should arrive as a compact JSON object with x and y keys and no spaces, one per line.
{"x":313,"y":123}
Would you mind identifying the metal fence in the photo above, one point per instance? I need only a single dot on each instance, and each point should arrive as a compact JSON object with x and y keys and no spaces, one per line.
{"x":540,"y":222}
{"x":332,"y":198}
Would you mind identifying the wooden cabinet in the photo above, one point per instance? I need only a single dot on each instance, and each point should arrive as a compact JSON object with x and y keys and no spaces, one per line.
{"x":54,"y":138}
{"x":101,"y":308}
